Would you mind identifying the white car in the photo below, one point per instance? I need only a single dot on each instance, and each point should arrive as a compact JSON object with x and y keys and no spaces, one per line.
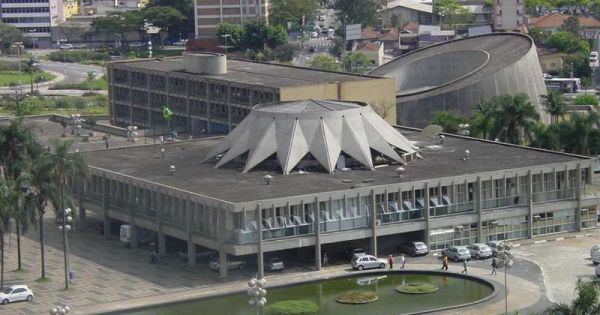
{"x":16,"y":293}
{"x":479,"y":251}
{"x":180,"y":42}
{"x":595,"y":253}
{"x":367,"y":262}
{"x":66,"y":46}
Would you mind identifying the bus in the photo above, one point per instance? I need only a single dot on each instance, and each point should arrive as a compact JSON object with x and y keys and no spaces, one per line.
{"x":565,"y":85}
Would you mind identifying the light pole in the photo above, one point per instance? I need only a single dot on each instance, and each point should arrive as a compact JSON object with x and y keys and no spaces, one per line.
{"x":506,"y":260}
{"x":60,"y":309}
{"x":32,"y":67}
{"x":257,"y":293}
{"x":33,"y":38}
{"x":65,"y":226}
{"x":19,"y":46}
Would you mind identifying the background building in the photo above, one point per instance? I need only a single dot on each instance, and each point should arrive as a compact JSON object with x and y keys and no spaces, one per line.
{"x":209,"y":13}
{"x":210,"y":94}
{"x":508,"y":15}
{"x":455,"y":75}
{"x":590,"y":26}
{"x":34,"y":18}
{"x":405,"y":11}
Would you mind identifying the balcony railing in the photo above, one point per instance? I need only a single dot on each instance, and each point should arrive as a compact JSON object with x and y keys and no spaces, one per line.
{"x":451,"y":208}
{"x":508,"y":201}
{"x":554,"y":195}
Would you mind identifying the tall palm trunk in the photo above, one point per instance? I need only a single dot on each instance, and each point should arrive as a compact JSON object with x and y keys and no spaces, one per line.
{"x":42,"y":243}
{"x":18,"y":244}
{"x":2,"y":259}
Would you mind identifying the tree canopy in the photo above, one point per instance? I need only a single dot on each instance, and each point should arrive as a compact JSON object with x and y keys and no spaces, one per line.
{"x":357,"y":11}
{"x":325,"y":62}
{"x":284,"y":11}
{"x":9,"y":35}
{"x":357,"y":62}
{"x":452,"y":13}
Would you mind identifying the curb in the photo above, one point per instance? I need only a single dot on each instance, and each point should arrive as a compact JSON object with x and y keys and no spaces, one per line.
{"x":557,"y":239}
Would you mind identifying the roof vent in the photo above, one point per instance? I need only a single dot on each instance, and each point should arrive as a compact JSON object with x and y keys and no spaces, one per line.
{"x":205,"y":63}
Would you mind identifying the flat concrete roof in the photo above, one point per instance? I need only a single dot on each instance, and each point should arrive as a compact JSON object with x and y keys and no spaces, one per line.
{"x":253,"y":73}
{"x":145,"y":162}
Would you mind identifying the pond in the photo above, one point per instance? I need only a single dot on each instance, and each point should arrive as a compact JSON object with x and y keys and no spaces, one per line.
{"x":453,"y":290}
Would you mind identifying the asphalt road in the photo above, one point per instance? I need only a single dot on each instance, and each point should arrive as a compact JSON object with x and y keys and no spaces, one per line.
{"x":73,"y":72}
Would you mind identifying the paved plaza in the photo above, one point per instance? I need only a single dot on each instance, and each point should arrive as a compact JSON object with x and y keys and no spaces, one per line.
{"x":110,"y":276}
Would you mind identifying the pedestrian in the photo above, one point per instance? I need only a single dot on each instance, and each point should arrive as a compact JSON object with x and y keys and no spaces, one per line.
{"x":445,"y":263}
{"x":402,"y":262}
{"x":71,"y":276}
{"x":465,"y":267}
{"x":494,"y":265}
{"x":325,"y":259}
{"x":391,"y":261}
{"x":153,"y":257}
{"x":106,"y":143}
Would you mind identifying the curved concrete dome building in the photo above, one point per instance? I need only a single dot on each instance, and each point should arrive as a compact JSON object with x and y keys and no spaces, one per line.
{"x":455,"y":75}
{"x":312,"y":134}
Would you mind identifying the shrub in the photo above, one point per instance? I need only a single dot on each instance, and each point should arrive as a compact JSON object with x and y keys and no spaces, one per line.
{"x":586,"y":99}
{"x":77,"y":56}
{"x":292,"y":307}
{"x":357,"y":297}
{"x":417,"y":288}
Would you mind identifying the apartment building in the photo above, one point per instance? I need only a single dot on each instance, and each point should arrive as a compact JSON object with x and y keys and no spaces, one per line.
{"x":209,"y":13}
{"x":34,"y":17}
{"x":508,"y":15}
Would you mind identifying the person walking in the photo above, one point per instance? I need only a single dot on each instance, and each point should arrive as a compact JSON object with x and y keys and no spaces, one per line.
{"x":445,"y":263}
{"x":402,"y":262}
{"x":465,"y":267}
{"x":391,"y":261}
{"x":494,"y":265}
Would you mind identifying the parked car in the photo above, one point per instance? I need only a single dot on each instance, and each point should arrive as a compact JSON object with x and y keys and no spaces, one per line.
{"x":354,"y":252}
{"x":182,"y":42}
{"x":322,"y":17}
{"x":215,"y":265}
{"x":457,"y":253}
{"x":312,"y":49}
{"x":314,"y":34}
{"x":595,"y":253}
{"x":597,"y":271}
{"x":66,"y":46}
{"x":367,"y":262}
{"x":494,"y":246}
{"x":16,"y":293}
{"x":79,"y":46}
{"x":479,"y":250}
{"x":136,"y":44}
{"x":414,"y":248}
{"x":274,"y":264}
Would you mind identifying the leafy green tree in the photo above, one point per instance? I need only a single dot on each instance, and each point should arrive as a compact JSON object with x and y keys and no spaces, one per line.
{"x":357,"y":62}
{"x":5,"y":216}
{"x":567,"y":42}
{"x":10,"y":35}
{"x":357,"y":11}
{"x":164,"y":17}
{"x":572,"y":25}
{"x":539,"y":36}
{"x":514,"y":118}
{"x":236,"y":34}
{"x":284,"y":52}
{"x":586,"y":301}
{"x":284,"y":11}
{"x":186,"y":8}
{"x":257,"y":35}
{"x":448,"y":120}
{"x":108,"y":26}
{"x":577,"y":65}
{"x":452,"y":13}
{"x":395,"y":21}
{"x":481,"y":122}
{"x":554,"y":104}
{"x":325,"y":62}
{"x":547,"y":137}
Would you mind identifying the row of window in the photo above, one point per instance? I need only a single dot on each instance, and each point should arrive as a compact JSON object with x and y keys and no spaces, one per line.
{"x":34,"y":19}
{"x":25,"y":10}
{"x":25,"y":1}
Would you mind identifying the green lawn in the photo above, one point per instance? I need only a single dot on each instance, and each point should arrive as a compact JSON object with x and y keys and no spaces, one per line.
{"x":98,"y":84}
{"x":14,"y":77}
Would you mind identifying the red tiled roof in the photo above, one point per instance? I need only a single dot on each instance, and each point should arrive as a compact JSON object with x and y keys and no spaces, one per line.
{"x":411,"y":26}
{"x":368,"y":46}
{"x":390,"y":34}
{"x":556,"y":20}
{"x":370,"y":33}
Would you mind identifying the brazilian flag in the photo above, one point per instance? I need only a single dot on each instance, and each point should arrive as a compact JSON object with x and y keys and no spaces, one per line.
{"x":167,"y":113}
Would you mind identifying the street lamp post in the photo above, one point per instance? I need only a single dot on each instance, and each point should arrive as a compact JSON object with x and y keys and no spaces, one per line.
{"x":65,"y":226}
{"x":257,"y":293}
{"x":19,"y":46}
{"x":506,"y":259}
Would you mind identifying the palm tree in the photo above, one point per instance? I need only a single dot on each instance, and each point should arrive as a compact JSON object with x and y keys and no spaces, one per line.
{"x":42,"y":190}
{"x":5,"y":215}
{"x":18,"y":147}
{"x":483,"y":118}
{"x":580,"y":134}
{"x":66,"y":166}
{"x":555,"y":104}
{"x":514,"y":118}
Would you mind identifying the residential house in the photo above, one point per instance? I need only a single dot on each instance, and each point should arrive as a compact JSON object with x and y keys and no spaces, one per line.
{"x":554,"y":21}
{"x":407,"y":11}
{"x":390,"y":37}
{"x":374,"y":51}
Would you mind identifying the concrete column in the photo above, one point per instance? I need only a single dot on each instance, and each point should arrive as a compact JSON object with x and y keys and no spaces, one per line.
{"x":223,"y":262}
{"x":373,"y":224}
{"x":191,"y":247}
{"x":530,"y":202}
{"x":317,"y":234}
{"x":578,"y":197}
{"x":191,"y":253}
{"x":517,"y":185}
{"x":133,"y":236}
{"x":162,"y":244}
{"x":105,"y":194}
{"x":80,"y":193}
{"x":260,"y":254}
{"x":478,"y":209}
{"x":426,"y":210}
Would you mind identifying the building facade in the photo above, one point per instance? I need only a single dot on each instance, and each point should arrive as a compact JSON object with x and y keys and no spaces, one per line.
{"x":34,"y":18}
{"x":508,"y":15}
{"x":498,"y":192}
{"x":205,"y":103}
{"x":209,"y":13}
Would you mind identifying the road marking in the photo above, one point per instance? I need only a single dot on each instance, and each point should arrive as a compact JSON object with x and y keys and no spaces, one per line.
{"x":560,"y":239}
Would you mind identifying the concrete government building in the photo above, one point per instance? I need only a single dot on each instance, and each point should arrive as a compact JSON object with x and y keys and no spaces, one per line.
{"x":299,"y":178}
{"x":209,"y":93}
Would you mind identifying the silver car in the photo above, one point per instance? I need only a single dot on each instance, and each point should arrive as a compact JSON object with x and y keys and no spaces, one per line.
{"x":274,"y":264}
{"x":479,"y":251}
{"x":368,"y":262}
{"x":457,"y":253}
{"x":494,"y":246}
